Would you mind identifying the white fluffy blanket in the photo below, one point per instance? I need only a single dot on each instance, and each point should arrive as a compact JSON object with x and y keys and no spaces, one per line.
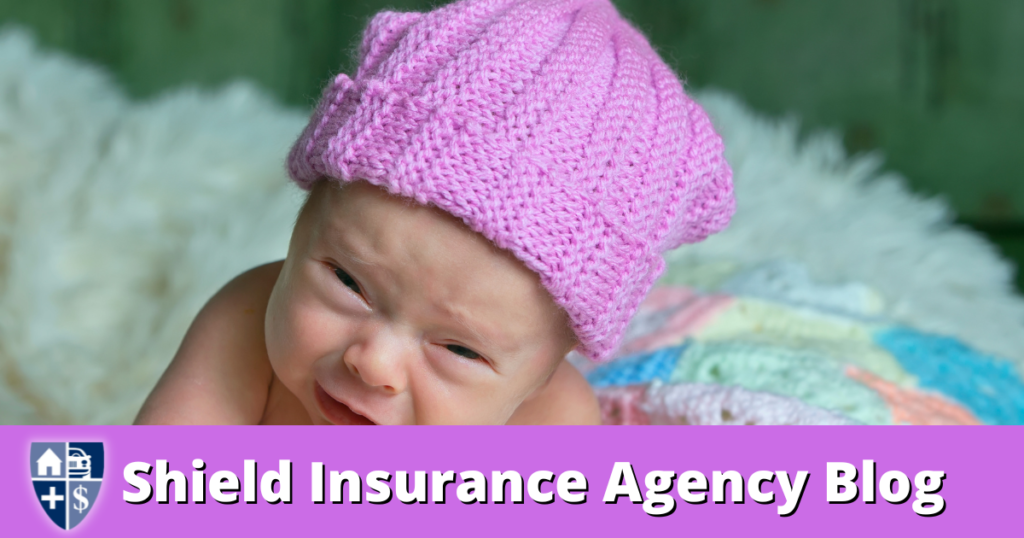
{"x":118,"y":219}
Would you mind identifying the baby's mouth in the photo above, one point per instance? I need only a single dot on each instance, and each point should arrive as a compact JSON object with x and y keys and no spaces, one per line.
{"x":336,"y":412}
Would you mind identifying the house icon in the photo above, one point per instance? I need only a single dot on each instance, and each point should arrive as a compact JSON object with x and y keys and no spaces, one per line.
{"x":48,"y":464}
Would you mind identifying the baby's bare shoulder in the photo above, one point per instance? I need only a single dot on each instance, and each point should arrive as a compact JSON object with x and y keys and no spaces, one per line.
{"x":221,"y":373}
{"x":245,"y":295}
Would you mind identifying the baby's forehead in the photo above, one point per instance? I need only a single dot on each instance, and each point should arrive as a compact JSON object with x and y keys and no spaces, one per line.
{"x":431,"y":260}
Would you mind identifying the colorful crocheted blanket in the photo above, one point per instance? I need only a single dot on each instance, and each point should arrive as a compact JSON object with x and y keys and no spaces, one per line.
{"x":773,"y":349}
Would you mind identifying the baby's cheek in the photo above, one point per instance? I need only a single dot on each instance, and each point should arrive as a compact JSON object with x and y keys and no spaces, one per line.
{"x":496,"y":404}
{"x":290,"y":330}
{"x":449,"y":392}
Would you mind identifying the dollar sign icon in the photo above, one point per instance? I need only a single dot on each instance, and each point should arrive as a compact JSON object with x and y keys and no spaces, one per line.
{"x":81,"y":503}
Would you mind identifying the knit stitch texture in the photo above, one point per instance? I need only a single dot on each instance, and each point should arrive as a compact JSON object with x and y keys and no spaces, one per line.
{"x":549,"y":126}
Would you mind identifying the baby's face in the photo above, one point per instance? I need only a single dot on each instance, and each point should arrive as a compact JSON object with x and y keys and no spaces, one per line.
{"x":395,"y":313}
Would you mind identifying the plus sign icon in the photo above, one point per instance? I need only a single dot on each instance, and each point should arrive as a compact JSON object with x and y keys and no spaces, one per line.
{"x":66,"y":478}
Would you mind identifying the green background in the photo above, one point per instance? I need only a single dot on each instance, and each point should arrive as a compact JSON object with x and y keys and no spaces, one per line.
{"x":937,"y":85}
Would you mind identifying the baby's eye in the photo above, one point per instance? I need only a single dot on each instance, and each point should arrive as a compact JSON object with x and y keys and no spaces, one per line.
{"x":347,"y":280}
{"x":462,"y":351}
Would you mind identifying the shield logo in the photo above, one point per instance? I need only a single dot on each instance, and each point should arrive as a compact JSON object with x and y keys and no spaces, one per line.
{"x":66,"y":478}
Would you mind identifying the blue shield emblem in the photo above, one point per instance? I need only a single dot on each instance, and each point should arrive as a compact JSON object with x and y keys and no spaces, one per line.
{"x":66,"y":478}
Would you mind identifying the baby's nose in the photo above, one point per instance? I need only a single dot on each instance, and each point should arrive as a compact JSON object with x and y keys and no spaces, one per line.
{"x":379,"y":361}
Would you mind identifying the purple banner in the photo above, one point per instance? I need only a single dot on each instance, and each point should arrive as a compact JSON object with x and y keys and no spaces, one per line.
{"x":166,"y":481}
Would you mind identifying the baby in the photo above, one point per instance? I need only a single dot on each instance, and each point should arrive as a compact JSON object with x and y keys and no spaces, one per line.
{"x":494,"y":188}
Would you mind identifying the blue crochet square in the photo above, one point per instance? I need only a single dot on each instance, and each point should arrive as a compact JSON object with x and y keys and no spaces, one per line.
{"x":988,"y":386}
{"x":638,"y":368}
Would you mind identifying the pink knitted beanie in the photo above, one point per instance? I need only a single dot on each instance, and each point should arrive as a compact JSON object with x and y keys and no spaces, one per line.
{"x":549,"y":126}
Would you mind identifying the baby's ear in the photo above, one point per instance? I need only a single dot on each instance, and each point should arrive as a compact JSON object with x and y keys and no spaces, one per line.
{"x":381,"y":37}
